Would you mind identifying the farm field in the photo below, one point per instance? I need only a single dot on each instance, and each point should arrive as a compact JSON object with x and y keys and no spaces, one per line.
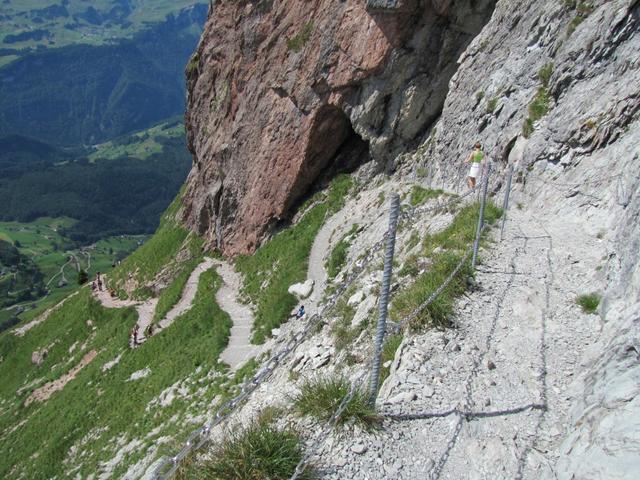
{"x":140,"y":145}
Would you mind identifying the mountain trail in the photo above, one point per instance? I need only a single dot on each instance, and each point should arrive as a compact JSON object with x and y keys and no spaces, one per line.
{"x":239,"y":348}
{"x":317,"y":272}
{"x":188,"y":293}
{"x":356,"y":211}
{"x":456,"y":401}
{"x":147,"y":308}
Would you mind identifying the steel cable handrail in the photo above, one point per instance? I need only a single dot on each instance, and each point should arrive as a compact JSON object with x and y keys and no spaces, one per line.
{"x":168,"y":466}
{"x":300,"y":468}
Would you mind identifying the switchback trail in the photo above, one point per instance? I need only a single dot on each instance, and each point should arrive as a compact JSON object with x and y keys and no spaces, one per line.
{"x":147,"y":308}
{"x":239,"y":348}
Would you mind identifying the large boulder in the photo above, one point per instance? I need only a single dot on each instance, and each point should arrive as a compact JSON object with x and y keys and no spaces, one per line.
{"x":302,"y":290}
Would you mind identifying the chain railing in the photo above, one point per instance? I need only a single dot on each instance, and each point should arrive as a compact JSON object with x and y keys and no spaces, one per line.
{"x":403,"y":323}
{"x":169,"y":465}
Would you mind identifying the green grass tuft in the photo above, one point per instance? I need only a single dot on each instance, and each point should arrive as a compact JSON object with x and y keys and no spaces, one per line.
{"x":283,"y":261}
{"x":260,"y":451}
{"x":589,"y":302}
{"x":391,"y":345}
{"x":445,"y":248}
{"x":343,"y":333}
{"x":419,"y":195}
{"x":538,"y":108}
{"x":338,"y":256}
{"x":320,"y":397}
{"x":492,"y":103}
{"x":298,"y":41}
{"x":544,"y":74}
{"x":583,"y":10}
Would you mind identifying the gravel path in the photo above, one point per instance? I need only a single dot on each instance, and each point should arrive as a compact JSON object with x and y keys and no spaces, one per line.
{"x":321,"y":247}
{"x":456,"y":404}
{"x":364,"y":210}
{"x":239,"y":349}
{"x":188,"y":293}
{"x":146,"y":309}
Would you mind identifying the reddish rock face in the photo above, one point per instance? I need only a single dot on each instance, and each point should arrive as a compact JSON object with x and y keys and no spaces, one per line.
{"x":277,"y":87}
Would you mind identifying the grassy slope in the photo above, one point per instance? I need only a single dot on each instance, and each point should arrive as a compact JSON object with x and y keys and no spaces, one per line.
{"x":445,"y":249}
{"x":160,"y":251}
{"x":283,"y":261}
{"x":97,"y":399}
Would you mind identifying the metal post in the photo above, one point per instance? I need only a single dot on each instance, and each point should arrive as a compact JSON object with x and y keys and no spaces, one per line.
{"x":384,"y":298}
{"x":480,"y":183}
{"x":476,"y":244}
{"x":505,"y":204}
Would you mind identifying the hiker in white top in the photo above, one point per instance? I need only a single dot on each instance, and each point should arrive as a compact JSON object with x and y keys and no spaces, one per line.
{"x":475,"y":158}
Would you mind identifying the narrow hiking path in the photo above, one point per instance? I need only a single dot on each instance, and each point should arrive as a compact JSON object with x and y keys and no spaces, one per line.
{"x":239,"y":349}
{"x":488,"y":399}
{"x":359,"y":211}
{"x":188,"y":293}
{"x":146,"y":309}
{"x":337,"y":223}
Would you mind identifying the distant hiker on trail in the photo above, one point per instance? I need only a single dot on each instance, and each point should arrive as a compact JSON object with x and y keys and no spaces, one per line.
{"x":148,"y":332}
{"x":99,"y":281}
{"x":134,"y":334}
{"x":300,"y":313}
{"x":475,"y":158}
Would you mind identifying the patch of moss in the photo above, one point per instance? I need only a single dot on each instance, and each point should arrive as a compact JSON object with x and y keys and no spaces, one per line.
{"x":298,"y":41}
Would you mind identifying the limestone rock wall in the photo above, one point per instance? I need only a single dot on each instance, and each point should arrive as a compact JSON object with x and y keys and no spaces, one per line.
{"x":604,"y":432}
{"x":592,"y":89}
{"x":277,"y":88}
{"x":591,"y":126}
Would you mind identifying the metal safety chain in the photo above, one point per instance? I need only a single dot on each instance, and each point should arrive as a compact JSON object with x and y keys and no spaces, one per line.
{"x":169,"y":465}
{"x":384,"y":299}
{"x":310,"y":452}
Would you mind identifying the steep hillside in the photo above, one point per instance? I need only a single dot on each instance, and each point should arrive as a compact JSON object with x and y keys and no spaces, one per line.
{"x":550,"y":88}
{"x":525,"y":365}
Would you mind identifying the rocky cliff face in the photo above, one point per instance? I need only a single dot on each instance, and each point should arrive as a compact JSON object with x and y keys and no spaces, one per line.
{"x":577,"y":64}
{"x":280,"y":92}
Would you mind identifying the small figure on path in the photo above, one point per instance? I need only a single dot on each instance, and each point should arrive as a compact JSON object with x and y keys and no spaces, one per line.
{"x":148,"y":332}
{"x":135,"y":335}
{"x":300,"y":312}
{"x":475,"y":158}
